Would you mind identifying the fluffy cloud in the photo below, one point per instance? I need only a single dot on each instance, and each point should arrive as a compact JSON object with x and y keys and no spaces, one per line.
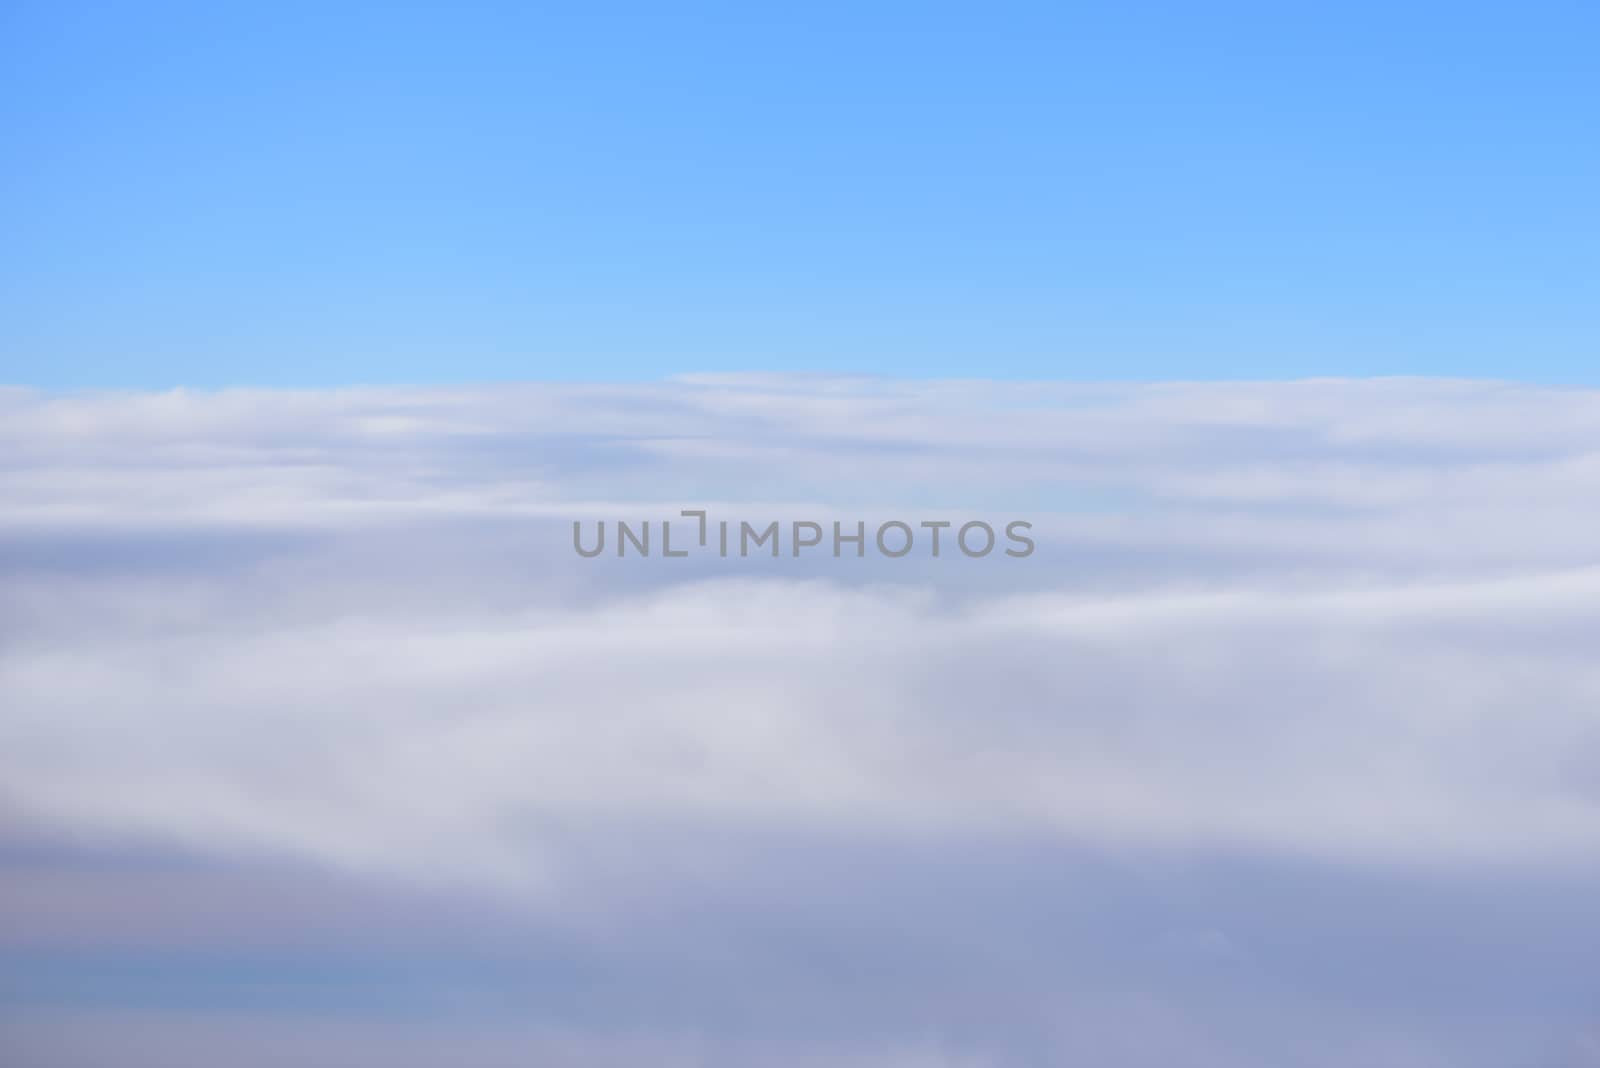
{"x":1276,"y":639}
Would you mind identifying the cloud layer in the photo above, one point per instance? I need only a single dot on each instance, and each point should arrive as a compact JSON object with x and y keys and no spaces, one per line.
{"x":1283,"y":745}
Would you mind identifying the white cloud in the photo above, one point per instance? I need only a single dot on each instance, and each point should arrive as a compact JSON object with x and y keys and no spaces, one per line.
{"x":1340,"y":623}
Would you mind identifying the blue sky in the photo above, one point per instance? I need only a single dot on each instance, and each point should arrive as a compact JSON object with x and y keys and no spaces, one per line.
{"x":309,"y":194}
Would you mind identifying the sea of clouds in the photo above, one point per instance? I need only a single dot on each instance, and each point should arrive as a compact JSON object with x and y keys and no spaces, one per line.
{"x":320,"y":745}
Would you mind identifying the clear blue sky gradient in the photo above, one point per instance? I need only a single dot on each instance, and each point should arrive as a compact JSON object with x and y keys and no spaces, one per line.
{"x":314,"y":194}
